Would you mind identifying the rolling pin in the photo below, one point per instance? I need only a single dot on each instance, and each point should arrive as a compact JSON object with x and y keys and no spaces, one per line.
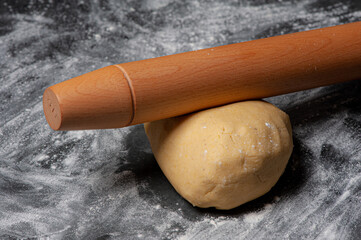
{"x":141,"y":91}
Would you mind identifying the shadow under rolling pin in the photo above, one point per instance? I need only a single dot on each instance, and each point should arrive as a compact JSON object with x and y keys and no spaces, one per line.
{"x":148,"y":90}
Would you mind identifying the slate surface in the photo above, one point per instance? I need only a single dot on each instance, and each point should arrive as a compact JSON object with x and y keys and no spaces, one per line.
{"x":105,"y":184}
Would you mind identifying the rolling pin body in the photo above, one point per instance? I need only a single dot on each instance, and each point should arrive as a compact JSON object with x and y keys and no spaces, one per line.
{"x":147,"y":90}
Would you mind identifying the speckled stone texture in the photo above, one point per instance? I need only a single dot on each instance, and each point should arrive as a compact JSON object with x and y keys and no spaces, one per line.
{"x":105,"y":184}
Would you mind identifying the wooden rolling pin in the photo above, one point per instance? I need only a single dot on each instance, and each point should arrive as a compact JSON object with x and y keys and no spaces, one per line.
{"x":147,"y":90}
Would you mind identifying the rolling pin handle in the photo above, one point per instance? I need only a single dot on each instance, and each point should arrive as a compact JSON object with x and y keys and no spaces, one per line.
{"x":96,"y":100}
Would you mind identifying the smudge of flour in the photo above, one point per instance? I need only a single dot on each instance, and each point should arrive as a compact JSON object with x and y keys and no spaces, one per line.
{"x":96,"y":184}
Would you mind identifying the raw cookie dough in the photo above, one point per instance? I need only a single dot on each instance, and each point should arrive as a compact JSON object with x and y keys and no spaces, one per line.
{"x":225,"y":156}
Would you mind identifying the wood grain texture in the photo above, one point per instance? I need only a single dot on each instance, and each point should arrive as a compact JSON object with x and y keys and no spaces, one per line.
{"x":99,"y":99}
{"x":182,"y":83}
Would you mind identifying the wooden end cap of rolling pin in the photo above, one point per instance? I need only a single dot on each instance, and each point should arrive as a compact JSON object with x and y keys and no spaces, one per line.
{"x":147,"y":90}
{"x":99,"y":99}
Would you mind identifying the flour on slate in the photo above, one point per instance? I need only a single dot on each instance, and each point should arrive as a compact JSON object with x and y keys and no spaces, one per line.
{"x":106,"y":184}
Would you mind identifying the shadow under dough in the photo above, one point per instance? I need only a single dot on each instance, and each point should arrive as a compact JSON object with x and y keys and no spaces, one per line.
{"x":155,"y":188}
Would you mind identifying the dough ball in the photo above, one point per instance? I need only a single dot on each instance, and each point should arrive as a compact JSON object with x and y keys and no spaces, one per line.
{"x":224,"y":156}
